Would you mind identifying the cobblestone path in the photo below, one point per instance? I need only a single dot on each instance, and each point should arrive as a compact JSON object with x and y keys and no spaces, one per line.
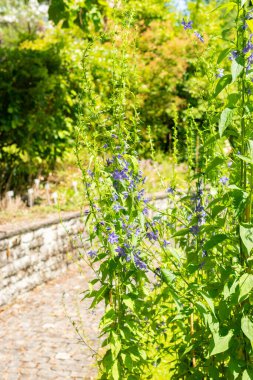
{"x":37,"y":338}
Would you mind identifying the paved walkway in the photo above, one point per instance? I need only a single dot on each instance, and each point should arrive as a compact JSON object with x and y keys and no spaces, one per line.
{"x":37,"y":338}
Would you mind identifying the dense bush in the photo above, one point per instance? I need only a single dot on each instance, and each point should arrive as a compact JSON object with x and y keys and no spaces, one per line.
{"x":38,"y":90}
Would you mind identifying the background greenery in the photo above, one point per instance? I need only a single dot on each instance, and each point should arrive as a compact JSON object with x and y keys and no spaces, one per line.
{"x":41,"y":75}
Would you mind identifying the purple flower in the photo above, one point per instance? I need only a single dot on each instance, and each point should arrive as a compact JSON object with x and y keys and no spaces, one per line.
{"x":220,"y":73}
{"x":113,"y":238}
{"x":248,"y":47}
{"x":115,"y":197}
{"x":117,"y":207}
{"x":119,"y":175}
{"x":199,"y":208}
{"x":230,"y":163}
{"x":125,"y":194}
{"x":198,"y":35}
{"x":92,"y":253}
{"x":91,"y":174}
{"x":234,"y":54}
{"x":152,"y":235}
{"x":166,"y":243}
{"x":223,"y":180}
{"x":105,"y":146}
{"x":170,"y":190}
{"x":114,"y":136}
{"x":145,"y":211}
{"x":140,"y":194}
{"x":194,"y":230}
{"x":121,"y":252}
{"x":187,"y":25}
{"x":139,"y":263}
{"x":109,"y":162}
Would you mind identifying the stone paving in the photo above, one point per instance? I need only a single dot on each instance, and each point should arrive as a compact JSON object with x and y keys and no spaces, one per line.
{"x":37,"y":338}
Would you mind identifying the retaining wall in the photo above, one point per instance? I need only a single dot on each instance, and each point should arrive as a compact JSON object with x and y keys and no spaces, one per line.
{"x":33,"y":253}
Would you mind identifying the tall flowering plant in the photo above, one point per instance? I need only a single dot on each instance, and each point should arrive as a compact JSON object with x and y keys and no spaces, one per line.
{"x":176,"y":283}
{"x":122,"y":232}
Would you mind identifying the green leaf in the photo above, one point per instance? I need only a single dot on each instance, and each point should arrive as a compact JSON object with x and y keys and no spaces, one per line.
{"x":246,"y":234}
{"x":225,"y":120}
{"x":250,"y":25}
{"x":213,"y":164}
{"x":229,"y":6}
{"x":245,"y":286}
{"x":215,"y":240}
{"x":209,"y":301}
{"x":115,"y":345}
{"x":222,"y":83}
{"x":245,"y":159}
{"x":236,"y":68}
{"x":167,"y":276}
{"x":232,"y":99}
{"x":247,"y":328}
{"x":182,"y":232}
{"x":247,"y":374}
{"x":243,"y":2}
{"x":221,"y":343}
{"x":129,"y":303}
{"x":116,"y":370}
{"x":223,"y":55}
{"x":98,"y":296}
{"x":250,"y":148}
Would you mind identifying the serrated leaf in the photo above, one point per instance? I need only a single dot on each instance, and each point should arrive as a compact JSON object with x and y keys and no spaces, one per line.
{"x":215,"y":240}
{"x":247,"y":328}
{"x":246,"y":234}
{"x":236,"y":69}
{"x":225,"y":120}
{"x":245,"y":286}
{"x":221,"y":343}
{"x":222,"y":83}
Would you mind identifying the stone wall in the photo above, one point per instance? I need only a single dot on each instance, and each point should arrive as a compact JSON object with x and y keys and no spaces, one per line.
{"x":33,"y":253}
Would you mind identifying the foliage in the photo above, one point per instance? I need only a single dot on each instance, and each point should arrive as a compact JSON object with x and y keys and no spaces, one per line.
{"x":38,"y":88}
{"x":177,"y":283}
{"x":84,"y":13}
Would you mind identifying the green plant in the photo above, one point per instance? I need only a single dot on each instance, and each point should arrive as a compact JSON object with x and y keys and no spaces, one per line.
{"x":195,"y":315}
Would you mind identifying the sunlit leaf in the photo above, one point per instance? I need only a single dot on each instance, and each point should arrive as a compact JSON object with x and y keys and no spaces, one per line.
{"x":222,"y":83}
{"x":247,"y":328}
{"x":250,"y":25}
{"x":215,"y":240}
{"x":236,"y":69}
{"x":245,"y":285}
{"x":221,"y":343}
{"x":246,"y":234}
{"x":223,"y":55}
{"x":225,"y":119}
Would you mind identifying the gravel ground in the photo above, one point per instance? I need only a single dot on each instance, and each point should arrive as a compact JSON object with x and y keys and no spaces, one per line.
{"x":37,"y":338}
